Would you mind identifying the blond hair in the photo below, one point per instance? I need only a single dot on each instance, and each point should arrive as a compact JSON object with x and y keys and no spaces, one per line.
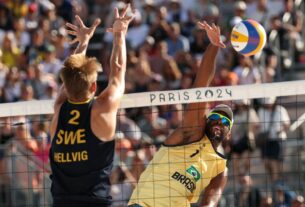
{"x":78,"y":73}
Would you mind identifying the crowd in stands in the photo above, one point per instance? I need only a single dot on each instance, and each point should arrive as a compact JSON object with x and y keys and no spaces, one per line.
{"x":164,"y":52}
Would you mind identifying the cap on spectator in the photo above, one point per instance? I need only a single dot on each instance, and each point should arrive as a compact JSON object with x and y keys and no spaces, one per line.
{"x":47,"y":5}
{"x":150,"y":40}
{"x":137,"y":15}
{"x":240,"y":5}
{"x":33,"y":7}
{"x":175,"y":1}
{"x":120,"y":5}
{"x":124,"y":144}
{"x":149,"y":3}
{"x":270,"y":100}
{"x":49,"y":48}
{"x":245,"y":102}
{"x":212,"y":10}
{"x":235,"y":20}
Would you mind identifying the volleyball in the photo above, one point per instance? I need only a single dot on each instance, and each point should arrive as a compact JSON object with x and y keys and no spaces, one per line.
{"x":248,"y":37}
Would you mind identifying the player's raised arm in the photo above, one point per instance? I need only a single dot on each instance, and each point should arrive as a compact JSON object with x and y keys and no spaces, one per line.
{"x":194,"y":115}
{"x":116,"y":83}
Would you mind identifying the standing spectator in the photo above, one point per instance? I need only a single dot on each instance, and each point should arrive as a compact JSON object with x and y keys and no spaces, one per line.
{"x":274,"y":120}
{"x":243,"y":136}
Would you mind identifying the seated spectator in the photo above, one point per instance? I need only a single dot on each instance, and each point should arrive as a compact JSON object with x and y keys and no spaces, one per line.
{"x":248,"y":195}
{"x":283,"y":196}
{"x":130,"y":129}
{"x":298,"y":201}
{"x":153,"y":125}
{"x":246,"y":71}
{"x":10,"y":51}
{"x":160,"y":29}
{"x":176,"y":41}
{"x":137,"y":31}
{"x":176,"y":13}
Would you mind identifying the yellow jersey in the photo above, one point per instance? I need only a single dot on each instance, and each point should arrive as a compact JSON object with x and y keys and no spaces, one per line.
{"x":177,"y":175}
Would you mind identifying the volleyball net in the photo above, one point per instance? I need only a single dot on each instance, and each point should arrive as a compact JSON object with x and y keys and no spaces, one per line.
{"x":144,"y":122}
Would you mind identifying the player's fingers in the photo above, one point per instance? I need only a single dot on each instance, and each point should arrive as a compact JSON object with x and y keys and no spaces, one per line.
{"x":218,"y":29}
{"x":222,"y":45}
{"x":96,"y":22}
{"x":129,"y":18}
{"x":201,"y":25}
{"x":71,"y":32}
{"x":116,"y":13}
{"x":71,"y":26}
{"x":207,"y":25}
{"x":125,"y":10}
{"x":79,"y":21}
{"x":214,"y":27}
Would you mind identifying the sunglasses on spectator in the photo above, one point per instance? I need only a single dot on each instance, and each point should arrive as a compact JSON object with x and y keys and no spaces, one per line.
{"x":224,"y":120}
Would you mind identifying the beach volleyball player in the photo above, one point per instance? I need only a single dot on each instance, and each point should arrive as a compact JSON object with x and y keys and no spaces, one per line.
{"x":83,"y":126}
{"x":188,"y":162}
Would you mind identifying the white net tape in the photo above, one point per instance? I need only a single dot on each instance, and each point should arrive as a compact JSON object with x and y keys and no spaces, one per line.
{"x":156,"y":98}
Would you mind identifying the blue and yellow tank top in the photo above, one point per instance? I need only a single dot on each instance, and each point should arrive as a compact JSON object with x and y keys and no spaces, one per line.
{"x":80,"y":162}
{"x":177,"y":175}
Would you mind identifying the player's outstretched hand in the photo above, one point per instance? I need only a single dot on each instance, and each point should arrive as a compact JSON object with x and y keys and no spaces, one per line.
{"x":81,"y":32}
{"x":213,"y":33}
{"x":121,"y":20}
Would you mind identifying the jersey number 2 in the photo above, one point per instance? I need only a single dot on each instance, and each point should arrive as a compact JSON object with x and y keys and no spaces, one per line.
{"x":76,"y":115}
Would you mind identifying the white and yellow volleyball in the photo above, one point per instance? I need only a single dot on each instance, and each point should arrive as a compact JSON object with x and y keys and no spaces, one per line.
{"x":248,"y":37}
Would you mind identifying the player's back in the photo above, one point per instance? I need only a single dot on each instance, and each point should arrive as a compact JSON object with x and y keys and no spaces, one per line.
{"x":177,"y":175}
{"x":80,"y":162}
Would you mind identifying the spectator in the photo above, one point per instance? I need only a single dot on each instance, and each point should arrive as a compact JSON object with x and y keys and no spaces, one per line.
{"x":10,"y":51}
{"x":152,"y":124}
{"x":246,"y":71}
{"x":275,"y":121}
{"x":243,"y":136}
{"x":298,"y":201}
{"x":248,"y":195}
{"x":138,"y":31}
{"x":176,"y":13}
{"x":160,"y":29}
{"x":149,"y":12}
{"x":176,"y":41}
{"x":50,"y":64}
{"x":283,"y":196}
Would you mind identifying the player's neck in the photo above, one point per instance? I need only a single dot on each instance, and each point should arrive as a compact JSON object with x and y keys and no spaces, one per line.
{"x":215,"y":143}
{"x":78,"y":100}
